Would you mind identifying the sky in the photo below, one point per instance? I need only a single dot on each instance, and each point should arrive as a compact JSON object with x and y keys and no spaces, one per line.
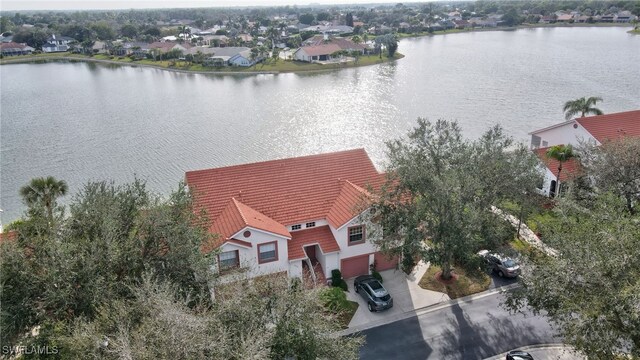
{"x":12,"y":5}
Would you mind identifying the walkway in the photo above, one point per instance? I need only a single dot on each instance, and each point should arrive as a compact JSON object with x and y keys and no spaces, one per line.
{"x":526,"y":234}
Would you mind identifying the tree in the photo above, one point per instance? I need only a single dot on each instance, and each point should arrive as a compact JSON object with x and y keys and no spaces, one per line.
{"x":306,"y":19}
{"x":591,"y":290}
{"x":349,"y":19}
{"x":323,"y":16}
{"x":582,"y":106}
{"x":561,"y":153}
{"x":129,"y":30}
{"x":436,"y":203}
{"x":184,"y":32}
{"x":112,"y":237}
{"x":102,"y":31}
{"x":41,"y":195}
{"x":356,"y":39}
{"x":615,"y":166}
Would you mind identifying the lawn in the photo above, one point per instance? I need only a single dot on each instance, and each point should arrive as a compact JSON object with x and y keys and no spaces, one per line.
{"x":281,"y":66}
{"x":464,"y":285}
{"x":347,"y":314}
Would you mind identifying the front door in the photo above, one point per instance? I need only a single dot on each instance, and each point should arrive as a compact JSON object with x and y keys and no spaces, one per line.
{"x":311,"y":252}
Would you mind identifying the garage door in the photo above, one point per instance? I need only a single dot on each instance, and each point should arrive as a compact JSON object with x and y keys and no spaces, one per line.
{"x":385,"y":263}
{"x":354,"y":266}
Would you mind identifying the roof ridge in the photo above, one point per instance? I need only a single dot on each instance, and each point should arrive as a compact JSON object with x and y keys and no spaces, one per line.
{"x":235,"y":203}
{"x":279,"y":160}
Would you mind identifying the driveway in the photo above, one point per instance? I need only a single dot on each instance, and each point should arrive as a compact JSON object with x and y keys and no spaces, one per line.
{"x":407,"y":296}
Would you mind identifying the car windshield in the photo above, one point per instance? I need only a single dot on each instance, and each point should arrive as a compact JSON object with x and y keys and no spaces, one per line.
{"x":375,"y":285}
{"x":509,"y":263}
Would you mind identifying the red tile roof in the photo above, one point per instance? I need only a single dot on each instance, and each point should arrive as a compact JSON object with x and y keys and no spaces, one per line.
{"x":347,"y":205}
{"x":287,"y":191}
{"x":612,"y":126}
{"x":236,"y":216}
{"x":321,"y":235}
{"x":570,"y":168}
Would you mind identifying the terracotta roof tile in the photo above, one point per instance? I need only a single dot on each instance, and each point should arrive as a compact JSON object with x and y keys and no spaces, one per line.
{"x":10,"y":235}
{"x":569,"y":168}
{"x":321,"y":235}
{"x":612,"y":126}
{"x":287,"y":191}
{"x":347,"y":204}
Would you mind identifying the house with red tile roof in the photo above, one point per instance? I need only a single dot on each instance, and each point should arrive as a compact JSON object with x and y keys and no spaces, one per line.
{"x":594,"y":130}
{"x":322,"y":48}
{"x":289,"y":214}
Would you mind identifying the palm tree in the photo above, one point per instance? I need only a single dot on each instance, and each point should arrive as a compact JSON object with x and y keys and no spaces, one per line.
{"x":561,"y":153}
{"x":43,"y":192}
{"x":582,"y":106}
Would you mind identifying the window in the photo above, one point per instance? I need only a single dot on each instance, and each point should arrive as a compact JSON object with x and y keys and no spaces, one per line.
{"x":229,"y":260}
{"x":545,"y":143}
{"x":296,"y":227}
{"x":356,"y":235}
{"x":310,"y":224}
{"x":267,"y":252}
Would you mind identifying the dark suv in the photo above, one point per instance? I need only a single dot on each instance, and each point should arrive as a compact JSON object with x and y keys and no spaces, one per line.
{"x":503,"y":266}
{"x":373,"y":292}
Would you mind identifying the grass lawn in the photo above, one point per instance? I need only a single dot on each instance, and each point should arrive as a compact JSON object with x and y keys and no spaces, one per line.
{"x":281,"y":66}
{"x":463,"y":286}
{"x":346,"y":315}
{"x":525,"y":249}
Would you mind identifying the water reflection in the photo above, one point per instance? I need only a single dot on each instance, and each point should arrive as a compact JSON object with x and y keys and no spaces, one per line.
{"x":109,"y":121}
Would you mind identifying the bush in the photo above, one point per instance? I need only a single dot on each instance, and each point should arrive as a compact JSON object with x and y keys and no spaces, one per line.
{"x":377,"y":275}
{"x":337,"y":281}
{"x":335,"y":300}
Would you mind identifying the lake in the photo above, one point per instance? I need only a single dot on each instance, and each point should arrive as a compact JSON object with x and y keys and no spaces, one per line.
{"x":83,"y":121}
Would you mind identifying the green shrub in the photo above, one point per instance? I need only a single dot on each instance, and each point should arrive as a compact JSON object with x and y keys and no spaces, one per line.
{"x":335,"y":300}
{"x":337,"y":281}
{"x":377,"y":275}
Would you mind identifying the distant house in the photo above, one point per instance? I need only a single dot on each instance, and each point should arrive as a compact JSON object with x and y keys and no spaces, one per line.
{"x":461,"y":24}
{"x":591,"y":130}
{"x":565,"y":18}
{"x":12,"y":48}
{"x":316,"y":52}
{"x":243,"y":58}
{"x":57,"y":43}
{"x":226,"y":56}
{"x":215,"y":40}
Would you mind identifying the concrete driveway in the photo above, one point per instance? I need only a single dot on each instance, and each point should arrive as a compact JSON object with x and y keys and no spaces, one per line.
{"x":407,"y":297}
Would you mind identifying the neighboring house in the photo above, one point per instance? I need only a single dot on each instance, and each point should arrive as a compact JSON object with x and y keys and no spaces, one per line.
{"x":565,"y":18}
{"x":285,"y":216}
{"x":12,"y":48}
{"x":316,"y":52}
{"x":167,"y":46}
{"x":593,"y":130}
{"x":321,"y":48}
{"x":226,"y":56}
{"x":243,"y":58}
{"x":57,"y":43}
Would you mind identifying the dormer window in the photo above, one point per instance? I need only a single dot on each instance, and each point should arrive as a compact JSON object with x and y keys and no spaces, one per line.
{"x":310,"y":224}
{"x":296,"y":227}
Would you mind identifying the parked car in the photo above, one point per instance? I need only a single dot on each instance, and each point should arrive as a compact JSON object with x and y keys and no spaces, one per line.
{"x":519,"y":355}
{"x":373,"y":293}
{"x":502,"y":265}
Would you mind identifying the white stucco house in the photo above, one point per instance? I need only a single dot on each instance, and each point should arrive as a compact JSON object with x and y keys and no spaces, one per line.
{"x":291,"y":215}
{"x":57,"y":43}
{"x":593,"y":130}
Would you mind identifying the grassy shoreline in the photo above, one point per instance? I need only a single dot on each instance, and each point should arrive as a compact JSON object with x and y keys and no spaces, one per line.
{"x":279,"y":67}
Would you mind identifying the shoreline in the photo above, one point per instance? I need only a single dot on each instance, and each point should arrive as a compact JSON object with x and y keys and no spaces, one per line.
{"x":330,"y":67}
{"x":84,"y":58}
{"x":519,"y":27}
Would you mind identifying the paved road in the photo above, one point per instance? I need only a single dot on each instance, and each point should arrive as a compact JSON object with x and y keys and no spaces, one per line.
{"x":476,"y":329}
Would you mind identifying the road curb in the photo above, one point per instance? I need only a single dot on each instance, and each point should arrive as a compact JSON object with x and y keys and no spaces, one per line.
{"x":427,"y":309}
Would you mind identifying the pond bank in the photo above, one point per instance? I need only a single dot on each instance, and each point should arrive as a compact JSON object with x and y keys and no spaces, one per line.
{"x":280,"y":67}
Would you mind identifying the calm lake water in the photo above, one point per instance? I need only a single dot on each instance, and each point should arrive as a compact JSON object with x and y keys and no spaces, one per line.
{"x":81,"y":121}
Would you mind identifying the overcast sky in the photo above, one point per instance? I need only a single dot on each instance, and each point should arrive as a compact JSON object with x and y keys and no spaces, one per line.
{"x":146,"y":4}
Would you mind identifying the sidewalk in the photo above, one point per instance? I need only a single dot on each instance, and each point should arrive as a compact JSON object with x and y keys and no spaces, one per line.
{"x":526,"y":234}
{"x":547,"y":352}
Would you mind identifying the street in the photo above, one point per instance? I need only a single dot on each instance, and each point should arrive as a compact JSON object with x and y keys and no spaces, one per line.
{"x":476,"y":329}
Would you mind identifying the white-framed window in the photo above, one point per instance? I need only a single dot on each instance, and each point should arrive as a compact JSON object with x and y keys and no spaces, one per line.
{"x":268,"y":252}
{"x":310,"y":224}
{"x":229,"y":260}
{"x":356,"y":235}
